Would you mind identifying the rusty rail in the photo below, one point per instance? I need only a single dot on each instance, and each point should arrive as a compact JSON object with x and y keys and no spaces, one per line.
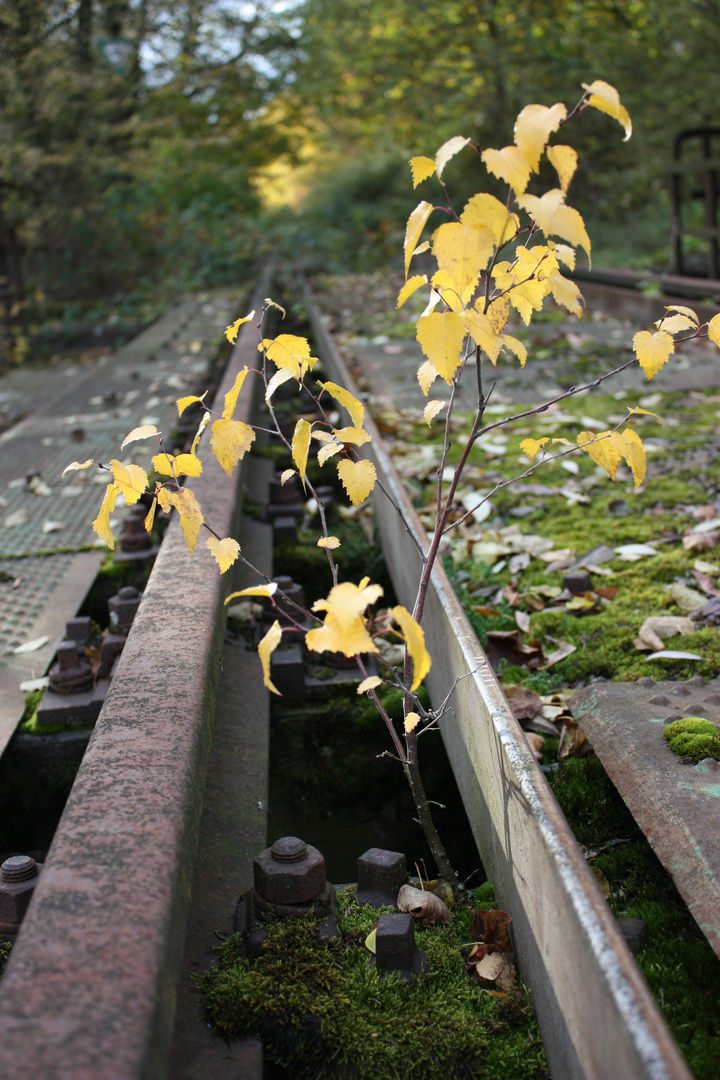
{"x":90,"y":989}
{"x":571,"y":953}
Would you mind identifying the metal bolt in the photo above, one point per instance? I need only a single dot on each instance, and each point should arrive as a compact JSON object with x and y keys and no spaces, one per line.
{"x":134,"y":537}
{"x":380,"y":875}
{"x":78,"y":629}
{"x":19,"y":868}
{"x":395,"y":948}
{"x":290,"y":872}
{"x":123,"y":607}
{"x":71,"y":672}
{"x":18,"y":878}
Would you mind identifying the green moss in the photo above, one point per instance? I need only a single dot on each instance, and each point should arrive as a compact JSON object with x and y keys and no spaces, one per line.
{"x":324,"y":1011}
{"x":5,"y":949}
{"x":693,"y":738}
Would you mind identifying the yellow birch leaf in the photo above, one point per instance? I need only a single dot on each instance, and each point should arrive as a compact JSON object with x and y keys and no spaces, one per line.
{"x":183,"y":402}
{"x":231,"y":332}
{"x":230,"y":441}
{"x":347,"y":400}
{"x":653,"y":350}
{"x":328,"y":542}
{"x":532,"y":447}
{"x":358,"y":478}
{"x":163,"y":498}
{"x":285,"y":476}
{"x":550,"y":214}
{"x":150,"y":517}
{"x":101,"y":524}
{"x":444,"y":285}
{"x":327,"y":451}
{"x":644,"y":412}
{"x":464,"y":251}
{"x":482,"y":330}
{"x":131,"y":480}
{"x":603,"y":450}
{"x":414,"y":643}
{"x":605,"y":97}
{"x":714,"y":330}
{"x":414,"y":228}
{"x":254,"y":590}
{"x":486,"y":210}
{"x":198,"y":434}
{"x":421,"y":168}
{"x":370,"y":683}
{"x":161,"y":463}
{"x":684,"y":311}
{"x":344,"y":628}
{"x":191,"y":517}
{"x":635,"y":455}
{"x":510,"y":165}
{"x":266,"y":648}
{"x":564,"y":160}
{"x":431,"y":410}
{"x":676,"y":324}
{"x":566,"y":293}
{"x":183,"y":464}
{"x":143,"y":432}
{"x":280,"y":377}
{"x":411,"y":286}
{"x":411,"y":722}
{"x":301,"y":447}
{"x":441,"y":336}
{"x":498,"y":313}
{"x":289,"y":352}
{"x":533,"y":127}
{"x":225,"y":552}
{"x":271,"y":303}
{"x":563,"y":253}
{"x":426,"y":376}
{"x":526,"y":297}
{"x":422,"y":248}
{"x":74,"y":466}
{"x":516,"y":346}
{"x":232,"y":395}
{"x":447,"y":151}
{"x":352,"y":436}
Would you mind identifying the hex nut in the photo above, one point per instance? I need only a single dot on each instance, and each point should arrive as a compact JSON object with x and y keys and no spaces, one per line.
{"x":290,"y":872}
{"x":18,"y":878}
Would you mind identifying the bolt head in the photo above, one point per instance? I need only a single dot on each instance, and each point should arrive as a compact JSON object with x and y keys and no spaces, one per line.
{"x":279,"y":881}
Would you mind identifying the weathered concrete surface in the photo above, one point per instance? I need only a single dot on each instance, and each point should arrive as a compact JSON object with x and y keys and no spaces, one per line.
{"x":569,"y":949}
{"x":676,"y":805}
{"x":90,"y":990}
{"x":233,"y":831}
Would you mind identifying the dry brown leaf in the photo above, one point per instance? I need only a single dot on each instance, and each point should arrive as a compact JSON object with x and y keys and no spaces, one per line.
{"x":524,"y":703}
{"x":693,"y":541}
{"x":572,"y":737}
{"x":426,"y":907}
{"x":536,"y":744}
{"x":492,"y":927}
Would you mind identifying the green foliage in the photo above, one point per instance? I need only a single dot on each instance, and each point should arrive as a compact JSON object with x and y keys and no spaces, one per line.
{"x":693,"y":738}
{"x":325,"y":1012}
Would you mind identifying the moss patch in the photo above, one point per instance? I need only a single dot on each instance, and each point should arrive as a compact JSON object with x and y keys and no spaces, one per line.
{"x":323,"y":1010}
{"x":693,"y":738}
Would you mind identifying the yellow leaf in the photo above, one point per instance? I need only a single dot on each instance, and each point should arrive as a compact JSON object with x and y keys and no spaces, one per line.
{"x":566,"y":293}
{"x":603,"y":450}
{"x":280,"y":377}
{"x":606,"y":98}
{"x":684,"y":311}
{"x":358,"y":479}
{"x":254,"y":590}
{"x":486,"y":210}
{"x":225,"y":552}
{"x":230,"y":441}
{"x":447,"y":151}
{"x":232,"y":395}
{"x":525,"y":296}
{"x":653,"y":350}
{"x":421,"y":168}
{"x":445,"y":287}
{"x":498,"y":313}
{"x":183,"y":464}
{"x":422,"y":248}
{"x":328,"y":542}
{"x":564,"y":160}
{"x":231,"y":332}
{"x":130,"y":479}
{"x":510,"y":165}
{"x":285,"y":476}
{"x":482,"y":330}
{"x":414,"y":228}
{"x":414,"y":643}
{"x":411,"y":722}
{"x":645,"y":412}
{"x":301,"y":447}
{"x":369,"y":684}
{"x":101,"y":524}
{"x":266,"y":648}
{"x":352,"y":436}
{"x":532,"y":447}
{"x":426,"y":376}
{"x":143,"y":432}
{"x":371,"y":941}
{"x":563,"y":253}
{"x":676,"y":324}
{"x":271,"y":303}
{"x":431,"y":410}
{"x":556,"y":219}
{"x":162,"y":496}
{"x":203,"y":424}
{"x":150,"y":517}
{"x":183,"y":402}
{"x":533,"y":127}
{"x":411,"y":286}
{"x":464,"y":251}
{"x":635,"y":455}
{"x":714,"y":330}
{"x":191,"y":517}
{"x":344,"y":627}
{"x":441,"y":336}
{"x":347,"y":400}
{"x":516,"y":346}
{"x":74,"y":466}
{"x":328,"y":451}
{"x":291,"y":353}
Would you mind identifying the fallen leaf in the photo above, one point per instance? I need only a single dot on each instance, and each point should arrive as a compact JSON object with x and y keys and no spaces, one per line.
{"x":426,"y":907}
{"x":601,"y":880}
{"x":564,"y":649}
{"x":524,"y":703}
{"x":669,"y":654}
{"x":509,"y":645}
{"x":704,"y":581}
{"x":572,"y":737}
{"x":685,"y":598}
{"x":536,"y":744}
{"x":657,"y":628}
{"x":695,"y":541}
{"x":31,"y":646}
{"x":492,"y":927}
{"x":523,"y":621}
{"x":370,"y":941}
{"x":634,"y":552}
{"x":29,"y":685}
{"x":497,"y":968}
{"x":37,"y":485}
